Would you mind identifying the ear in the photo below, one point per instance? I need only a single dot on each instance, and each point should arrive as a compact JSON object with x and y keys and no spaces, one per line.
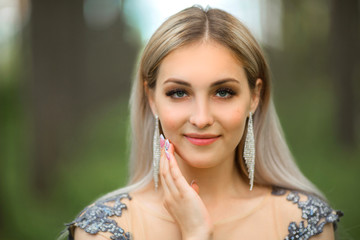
{"x":150,"y":95}
{"x":256,"y":95}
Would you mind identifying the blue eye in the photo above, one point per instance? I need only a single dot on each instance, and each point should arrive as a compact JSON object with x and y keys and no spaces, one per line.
{"x":221,"y":93}
{"x":179,"y":94}
{"x":225,"y":93}
{"x":176,"y":93}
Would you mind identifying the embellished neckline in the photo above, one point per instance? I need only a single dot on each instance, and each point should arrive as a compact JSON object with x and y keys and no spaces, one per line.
{"x":314,"y":212}
{"x":96,"y":218}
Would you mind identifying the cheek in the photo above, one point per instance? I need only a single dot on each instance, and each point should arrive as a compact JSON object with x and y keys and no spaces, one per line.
{"x":172,"y":119}
{"x":233,"y":119}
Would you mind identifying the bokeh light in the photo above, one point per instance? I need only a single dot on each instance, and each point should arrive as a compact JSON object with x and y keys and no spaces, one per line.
{"x":148,"y":15}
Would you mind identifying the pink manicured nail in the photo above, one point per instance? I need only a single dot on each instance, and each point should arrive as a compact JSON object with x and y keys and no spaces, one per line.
{"x":167,"y":155}
{"x":162,"y":140}
{"x":195,"y":186}
{"x":167,"y":144}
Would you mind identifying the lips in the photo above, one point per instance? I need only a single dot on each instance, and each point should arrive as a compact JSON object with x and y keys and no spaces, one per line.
{"x":202,"y":136}
{"x":201,"y":139}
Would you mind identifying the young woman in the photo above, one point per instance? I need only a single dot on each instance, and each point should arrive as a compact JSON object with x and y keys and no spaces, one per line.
{"x":208,"y":157}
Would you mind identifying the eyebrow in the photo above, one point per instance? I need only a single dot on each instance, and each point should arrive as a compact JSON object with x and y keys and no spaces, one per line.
{"x":219,"y":82}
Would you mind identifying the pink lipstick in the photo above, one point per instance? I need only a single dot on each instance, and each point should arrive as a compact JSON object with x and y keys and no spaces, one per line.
{"x":201,"y":140}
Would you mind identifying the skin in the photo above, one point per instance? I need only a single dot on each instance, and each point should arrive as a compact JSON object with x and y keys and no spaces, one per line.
{"x":201,"y":88}
{"x":203,"y":109}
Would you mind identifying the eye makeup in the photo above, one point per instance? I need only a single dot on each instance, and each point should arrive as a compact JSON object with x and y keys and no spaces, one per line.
{"x":222,"y":92}
{"x":176,"y":93}
{"x":225,"y":92}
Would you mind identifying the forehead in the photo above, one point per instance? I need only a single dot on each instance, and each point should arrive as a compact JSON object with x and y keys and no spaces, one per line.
{"x":201,"y":61}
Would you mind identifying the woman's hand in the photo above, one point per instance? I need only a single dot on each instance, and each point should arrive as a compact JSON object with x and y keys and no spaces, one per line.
{"x":182,"y":200}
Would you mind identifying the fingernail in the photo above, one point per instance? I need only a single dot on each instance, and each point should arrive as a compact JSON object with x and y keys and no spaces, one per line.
{"x":195,"y":186}
{"x":162,"y":141}
{"x":167,"y":144}
{"x":167,"y":155}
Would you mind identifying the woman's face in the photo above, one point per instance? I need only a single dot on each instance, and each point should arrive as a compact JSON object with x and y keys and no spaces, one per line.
{"x":202,"y":98}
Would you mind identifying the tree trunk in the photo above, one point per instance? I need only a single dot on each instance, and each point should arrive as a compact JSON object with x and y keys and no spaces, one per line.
{"x":344,"y":52}
{"x":74,"y":71}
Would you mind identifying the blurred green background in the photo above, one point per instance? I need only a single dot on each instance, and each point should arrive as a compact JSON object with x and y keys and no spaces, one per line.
{"x":65,"y":74}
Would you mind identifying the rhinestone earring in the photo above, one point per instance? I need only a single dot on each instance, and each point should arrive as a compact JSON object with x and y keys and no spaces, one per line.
{"x":156,"y":153}
{"x":249,"y":150}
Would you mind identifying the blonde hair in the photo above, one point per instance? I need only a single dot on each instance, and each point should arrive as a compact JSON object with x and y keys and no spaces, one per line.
{"x":275,"y":165}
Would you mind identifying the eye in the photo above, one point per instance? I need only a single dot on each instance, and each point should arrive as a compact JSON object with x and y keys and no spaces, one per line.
{"x":176,"y":93}
{"x":225,"y":93}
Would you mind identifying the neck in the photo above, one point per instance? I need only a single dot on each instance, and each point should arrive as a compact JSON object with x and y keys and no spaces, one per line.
{"x":218,"y":182}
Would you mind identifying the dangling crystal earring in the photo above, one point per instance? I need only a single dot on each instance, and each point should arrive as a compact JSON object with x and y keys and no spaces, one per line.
{"x":249,"y":150}
{"x":156,"y":153}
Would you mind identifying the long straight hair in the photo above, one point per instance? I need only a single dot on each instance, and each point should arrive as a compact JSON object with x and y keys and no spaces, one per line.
{"x":275,"y":165}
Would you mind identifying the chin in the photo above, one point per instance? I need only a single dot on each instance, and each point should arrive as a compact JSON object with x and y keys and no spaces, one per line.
{"x":199,"y":160}
{"x":202,"y":165}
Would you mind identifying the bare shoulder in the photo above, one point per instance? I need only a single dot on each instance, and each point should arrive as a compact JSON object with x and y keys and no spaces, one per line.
{"x":151,"y":199}
{"x":105,"y":219}
{"x":80,"y":234}
{"x":304,"y":216}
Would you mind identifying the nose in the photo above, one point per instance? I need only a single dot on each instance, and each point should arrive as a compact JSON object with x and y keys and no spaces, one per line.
{"x":201,"y":116}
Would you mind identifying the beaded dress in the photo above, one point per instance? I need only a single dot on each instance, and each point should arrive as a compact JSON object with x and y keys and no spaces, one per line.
{"x":126,"y":218}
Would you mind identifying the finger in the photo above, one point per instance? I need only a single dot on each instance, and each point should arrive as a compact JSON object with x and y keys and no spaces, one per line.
{"x":163,"y":160}
{"x":169,"y":185}
{"x":168,"y":178}
{"x":181,"y":184}
{"x":162,"y":157}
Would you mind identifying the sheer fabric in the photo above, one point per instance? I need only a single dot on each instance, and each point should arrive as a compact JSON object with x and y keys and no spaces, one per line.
{"x":279,"y":214}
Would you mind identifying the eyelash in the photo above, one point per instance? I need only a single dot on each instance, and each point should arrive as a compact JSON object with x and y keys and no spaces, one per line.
{"x":228,"y":91}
